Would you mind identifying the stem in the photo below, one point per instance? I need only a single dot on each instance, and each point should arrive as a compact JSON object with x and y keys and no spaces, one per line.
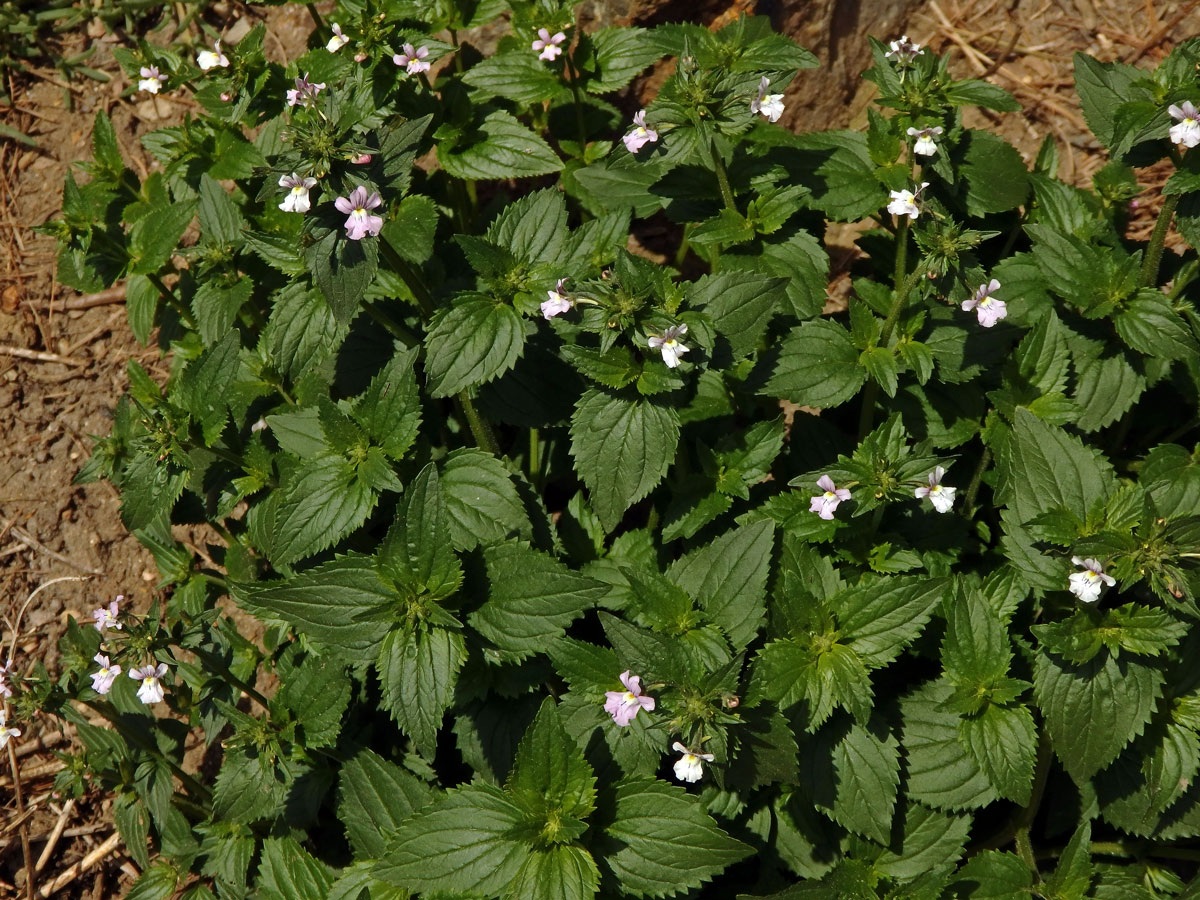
{"x":901,"y":253}
{"x":458,"y":63}
{"x":391,"y":326}
{"x":976,"y":479}
{"x":410,"y":276}
{"x":1026,"y":816}
{"x":221,"y":669}
{"x":534,"y":456}
{"x":722,"y":177}
{"x":30,"y":870}
{"x":580,"y":124}
{"x":485,"y":439}
{"x":1155,"y":249}
{"x":866,"y":415}
{"x":316,"y":16}
{"x":174,"y":302}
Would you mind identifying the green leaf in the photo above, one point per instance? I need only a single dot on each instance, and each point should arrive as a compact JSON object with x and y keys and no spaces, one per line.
{"x":550,"y":777}
{"x":343,"y":269}
{"x":817,"y":366}
{"x":301,"y":331}
{"x":793,"y":254}
{"x":482,"y":500}
{"x":992,"y":875}
{"x":1120,"y":693}
{"x":844,"y":184}
{"x":994,"y":174}
{"x":622,"y":449}
{"x":728,"y":577}
{"x":787,"y":673}
{"x":206,"y":382}
{"x":411,"y":229}
{"x":416,"y":553}
{"x":663,"y":842}
{"x":851,"y":772}
{"x":532,"y":599}
{"x":286,"y":871}
{"x":149,"y":488}
{"x":515,"y":75}
{"x":940,"y":773}
{"x":155,"y":236}
{"x":929,"y":840}
{"x":390,"y":409}
{"x":621,"y":53}
{"x":141,"y":306}
{"x":981,"y":93}
{"x":975,"y":650}
{"x":418,"y":669}
{"x":534,"y":228}
{"x":565,"y":872}
{"x":470,"y":343}
{"x":1003,"y":742}
{"x":1149,"y":324}
{"x":1072,"y":877}
{"x":216,"y":305}
{"x":1103,"y":87}
{"x":104,"y":145}
{"x":460,"y":843}
{"x":881,"y":616}
{"x":156,"y":883}
{"x":740,"y":306}
{"x":501,"y":147}
{"x":880,"y":363}
{"x":220,"y":220}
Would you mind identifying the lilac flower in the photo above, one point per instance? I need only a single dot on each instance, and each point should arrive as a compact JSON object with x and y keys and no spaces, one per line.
{"x":210,"y":59}
{"x":558,"y":302}
{"x":987,"y":308}
{"x":770,"y":105}
{"x":941,"y":497}
{"x":297,"y":196}
{"x":1088,"y":584}
{"x":106,"y":617}
{"x":904,"y":203}
{"x":360,"y":222}
{"x":5,"y":731}
{"x":904,"y":50}
{"x":306,"y":91}
{"x":624,"y":705}
{"x":338,"y":41}
{"x":925,"y":145}
{"x":548,"y":45}
{"x":102,"y":681}
{"x":827,"y":501}
{"x":413,"y":59}
{"x":151,"y":690}
{"x":668,"y":344}
{"x":1187,"y":132}
{"x":151,"y":80}
{"x":641,"y":134}
{"x":688,"y":767}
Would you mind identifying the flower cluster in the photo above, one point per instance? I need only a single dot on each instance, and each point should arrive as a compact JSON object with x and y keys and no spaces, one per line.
{"x":305,"y":93}
{"x":624,"y":706}
{"x":825,"y":503}
{"x":150,"y":676}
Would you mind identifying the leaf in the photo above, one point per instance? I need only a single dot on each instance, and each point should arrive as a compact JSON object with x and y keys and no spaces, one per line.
{"x":565,"y":872}
{"x":322,"y":502}
{"x":939,"y":771}
{"x":343,"y":269}
{"x":662,"y":841}
{"x":621,"y":53}
{"x":216,"y":305}
{"x":416,"y":552}
{"x":301,"y":331}
{"x":550,"y":777}
{"x":340,"y":604}
{"x":796,"y":256}
{"x":1120,"y":693}
{"x":534,"y":228}
{"x":532,"y":599}
{"x":141,"y":306}
{"x":1072,"y":877}
{"x":155,"y":236}
{"x":994,"y":174}
{"x":220,"y":220}
{"x":622,"y":449}
{"x":501,"y":148}
{"x":1003,"y":741}
{"x":929,"y":840}
{"x":390,"y":409}
{"x":851,"y":772}
{"x":728,"y":577}
{"x":149,"y":488}
{"x":482,"y":500}
{"x":411,"y":229}
{"x":418,"y":669}
{"x":1102,"y":87}
{"x":1149,"y":324}
{"x":206,"y":382}
{"x":460,"y":843}
{"x":975,"y":650}
{"x":515,"y":75}
{"x":740,"y":306}
{"x":286,"y":871}
{"x":881,"y":616}
{"x":974,"y":92}
{"x":470,"y":343}
{"x":992,"y":875}
{"x":844,"y":184}
{"x":817,"y":366}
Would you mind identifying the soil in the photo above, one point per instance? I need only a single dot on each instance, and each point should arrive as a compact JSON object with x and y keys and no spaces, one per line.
{"x":52,"y":404}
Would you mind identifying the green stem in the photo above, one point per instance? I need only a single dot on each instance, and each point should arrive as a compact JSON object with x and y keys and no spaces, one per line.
{"x":1025,"y":817}
{"x":535,"y":467}
{"x":866,"y":414}
{"x":1155,"y":249}
{"x":976,"y":480}
{"x":221,"y":669}
{"x":485,"y":438}
{"x":174,"y":302}
{"x":316,"y":16}
{"x":722,"y":177}
{"x":391,"y":326}
{"x":458,"y":63}
{"x":901,"y":253}
{"x":410,"y":276}
{"x":580,"y":123}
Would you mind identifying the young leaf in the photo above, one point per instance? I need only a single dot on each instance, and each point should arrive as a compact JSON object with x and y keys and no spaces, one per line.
{"x":550,"y":777}
{"x":416,"y":553}
{"x":390,"y":409}
{"x":851,"y":772}
{"x":940,"y":772}
{"x":418,"y":669}
{"x":1003,"y":742}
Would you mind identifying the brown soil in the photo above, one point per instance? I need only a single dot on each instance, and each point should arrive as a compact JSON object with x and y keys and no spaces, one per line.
{"x":52,"y":528}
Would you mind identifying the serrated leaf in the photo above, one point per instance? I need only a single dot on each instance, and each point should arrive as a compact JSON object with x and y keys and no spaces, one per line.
{"x":741,"y":307}
{"x":852,"y":772}
{"x":154,"y":237}
{"x":993,"y":173}
{"x":929,"y":840}
{"x":534,"y":228}
{"x":879,"y":618}
{"x":482,"y":500}
{"x":501,"y":147}
{"x":515,"y":75}
{"x":1072,"y":877}
{"x":472,"y":342}
{"x":322,"y":502}
{"x":418,"y":669}
{"x":1003,"y":742}
{"x":286,"y":871}
{"x":416,"y":552}
{"x":206,"y":382}
{"x":550,"y":776}
{"x":992,"y":875}
{"x":565,"y":872}
{"x":390,"y":409}
{"x":940,"y":772}
{"x":220,"y":219}
{"x":817,"y":366}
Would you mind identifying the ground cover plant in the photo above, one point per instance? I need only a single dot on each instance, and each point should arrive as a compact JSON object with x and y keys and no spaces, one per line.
{"x":559,"y":599}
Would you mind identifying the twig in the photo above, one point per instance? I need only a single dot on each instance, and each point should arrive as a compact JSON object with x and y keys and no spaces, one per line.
{"x":39,"y":356}
{"x":30,"y":541}
{"x":30,"y":871}
{"x":1155,"y":38}
{"x":87,"y":301}
{"x":68,"y":808}
{"x":83,"y":865}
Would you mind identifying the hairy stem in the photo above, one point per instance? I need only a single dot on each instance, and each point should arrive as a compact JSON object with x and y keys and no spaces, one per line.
{"x":722,"y":177}
{"x":1154,"y":250}
{"x":535,"y":457}
{"x":1025,"y":817}
{"x":985,"y":459}
{"x":316,"y":16}
{"x":410,"y":276}
{"x":901,"y":253}
{"x":866,"y":415}
{"x":485,"y":438}
{"x":19,"y":802}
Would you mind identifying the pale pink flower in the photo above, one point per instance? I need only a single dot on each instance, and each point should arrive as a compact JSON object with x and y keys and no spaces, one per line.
{"x":1088,"y":584}
{"x":548,"y":45}
{"x":904,"y":50}
{"x":210,"y":59}
{"x":641,"y":134}
{"x":827,"y":501}
{"x":668,"y":344}
{"x":689,"y":767}
{"x":102,"y":681}
{"x":5,"y":690}
{"x":1187,"y":129}
{"x":558,"y":301}
{"x":338,"y":41}
{"x":305,"y":93}
{"x":151,"y":690}
{"x":151,"y":80}
{"x":297,"y":199}
{"x":5,"y":731}
{"x":413,"y":59}
{"x":361,"y":160}
{"x":106,"y":617}
{"x":987,"y":308}
{"x":624,"y":705}
{"x":925,"y":145}
{"x":769,"y":105}
{"x":940,"y":496}
{"x":360,"y":222}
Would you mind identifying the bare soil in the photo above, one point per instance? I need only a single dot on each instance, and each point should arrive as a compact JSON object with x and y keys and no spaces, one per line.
{"x":62,"y":370}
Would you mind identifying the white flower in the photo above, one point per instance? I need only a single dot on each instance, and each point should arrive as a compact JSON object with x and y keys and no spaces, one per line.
{"x":338,"y":41}
{"x":1088,"y":584}
{"x":904,"y":51}
{"x":102,"y":681}
{"x":987,"y":308}
{"x":904,"y":203}
{"x":557,"y":302}
{"x":151,"y":80}
{"x":5,"y":731}
{"x":297,"y":195}
{"x":941,"y":497}
{"x":925,"y":145}
{"x":668,"y":343}
{"x":1187,"y":132}
{"x":770,"y":105}
{"x":151,"y":690}
{"x":210,"y":59}
{"x":689,"y":767}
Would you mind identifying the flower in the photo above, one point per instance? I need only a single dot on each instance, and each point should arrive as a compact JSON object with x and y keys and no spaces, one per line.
{"x":770,"y":105}
{"x":151,"y":690}
{"x":361,"y":159}
{"x":1088,"y":584}
{"x":904,"y":51}
{"x":925,"y":145}
{"x":106,"y":617}
{"x":338,"y":41}
{"x":102,"y":681}
{"x":624,"y":705}
{"x":414,"y":59}
{"x":827,"y":501}
{"x":688,"y":767}
{"x":548,"y":45}
{"x":297,"y":197}
{"x":942,"y":498}
{"x":360,"y":223}
{"x":210,"y":59}
{"x":5,"y":731}
{"x":904,"y":203}
{"x":558,"y":302}
{"x":641,"y":135}
{"x":151,"y":81}
{"x":1187,"y":132}
{"x":5,"y":690}
{"x":305,"y":93}
{"x":668,"y":343}
{"x":988,"y":308}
